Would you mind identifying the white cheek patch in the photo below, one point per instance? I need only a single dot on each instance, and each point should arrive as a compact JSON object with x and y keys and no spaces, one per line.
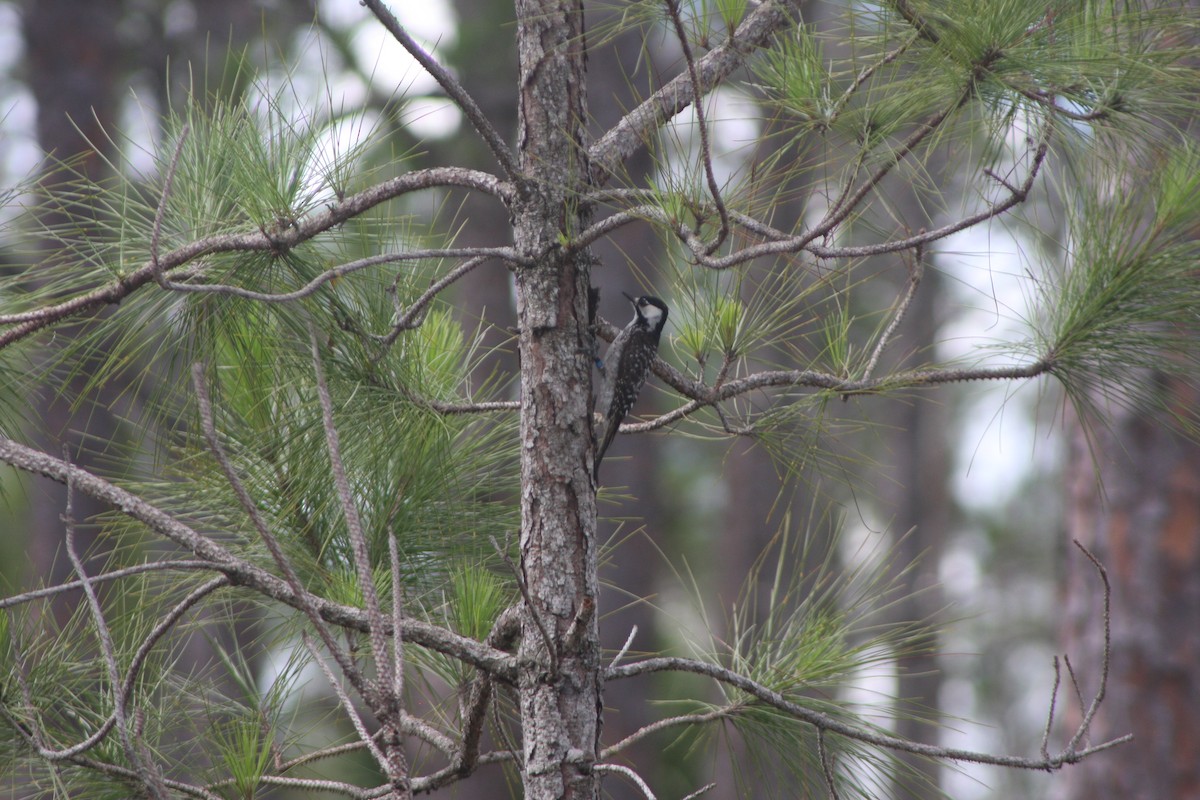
{"x":652,"y":313}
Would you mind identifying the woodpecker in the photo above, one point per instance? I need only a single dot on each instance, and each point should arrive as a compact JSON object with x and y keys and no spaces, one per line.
{"x":626,"y":365}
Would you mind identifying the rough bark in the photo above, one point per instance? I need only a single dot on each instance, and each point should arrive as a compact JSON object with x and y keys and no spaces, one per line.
{"x":559,"y":689}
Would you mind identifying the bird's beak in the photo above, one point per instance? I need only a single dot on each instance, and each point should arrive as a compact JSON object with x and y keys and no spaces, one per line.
{"x":630,"y":298}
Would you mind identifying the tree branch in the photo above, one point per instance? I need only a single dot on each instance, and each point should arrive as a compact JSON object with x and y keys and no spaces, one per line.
{"x":286,"y":237}
{"x":640,"y":125}
{"x":452,"y":87}
{"x":478,"y":255}
{"x":243,"y":573}
{"x":116,"y":574}
{"x":824,"y":723}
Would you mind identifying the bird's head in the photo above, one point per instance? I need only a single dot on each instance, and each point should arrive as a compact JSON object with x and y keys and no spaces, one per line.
{"x":650,"y":311}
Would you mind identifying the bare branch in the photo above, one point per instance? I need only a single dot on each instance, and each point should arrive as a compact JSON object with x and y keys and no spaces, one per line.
{"x":778,"y":243}
{"x":131,"y":673}
{"x":452,"y":87}
{"x":865,"y":74}
{"x":703,"y":396}
{"x":1090,"y":713}
{"x":821,"y":720}
{"x":127,"y":774}
{"x":826,"y":765}
{"x":705,"y":788}
{"x":397,"y":620}
{"x":361,"y":683}
{"x":414,"y":316}
{"x":505,"y":629}
{"x":551,"y":650}
{"x":470,"y":408}
{"x":448,"y":775}
{"x":1045,"y":750}
{"x":625,"y":647}
{"x":314,"y":785}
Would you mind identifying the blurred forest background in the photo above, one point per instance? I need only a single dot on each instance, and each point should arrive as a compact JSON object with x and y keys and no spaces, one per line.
{"x":974,"y":491}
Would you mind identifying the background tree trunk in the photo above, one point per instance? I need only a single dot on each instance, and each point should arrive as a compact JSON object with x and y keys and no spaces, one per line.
{"x":1143,"y":523}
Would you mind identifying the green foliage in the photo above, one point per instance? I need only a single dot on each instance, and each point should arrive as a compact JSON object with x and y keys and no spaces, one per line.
{"x":477,"y":598}
{"x":812,"y":623}
{"x":245,"y":748}
{"x":884,"y":96}
{"x":1125,"y":307}
{"x":439,"y":484}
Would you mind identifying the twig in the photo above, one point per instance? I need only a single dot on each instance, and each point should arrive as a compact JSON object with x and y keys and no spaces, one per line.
{"x":832,"y":725}
{"x":397,"y":620}
{"x":452,"y":87}
{"x":413,"y":317}
{"x":916,"y":271}
{"x":826,"y":765}
{"x":104,"y":577}
{"x":310,"y":785}
{"x":1090,"y":714}
{"x":705,"y":788}
{"x":838,"y":213}
{"x":159,"y":212}
{"x":777,"y":243}
{"x":624,"y":648}
{"x":631,"y":775}
{"x":834,"y":384}
{"x":1045,"y":750}
{"x":448,"y":775}
{"x":638,"y":126}
{"x":164,"y":625}
{"x":347,"y":706}
{"x":354,"y":526}
{"x":663,"y":724}
{"x":387,"y":705}
{"x":504,"y":631}
{"x":478,"y":255}
{"x":127,"y":774}
{"x":865,"y":74}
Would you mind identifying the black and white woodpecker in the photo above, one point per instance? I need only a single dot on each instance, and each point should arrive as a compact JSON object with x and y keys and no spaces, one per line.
{"x":625,"y":367}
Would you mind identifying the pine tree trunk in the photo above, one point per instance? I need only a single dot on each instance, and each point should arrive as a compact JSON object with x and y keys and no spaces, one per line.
{"x":1144,"y":525}
{"x":560,"y":689}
